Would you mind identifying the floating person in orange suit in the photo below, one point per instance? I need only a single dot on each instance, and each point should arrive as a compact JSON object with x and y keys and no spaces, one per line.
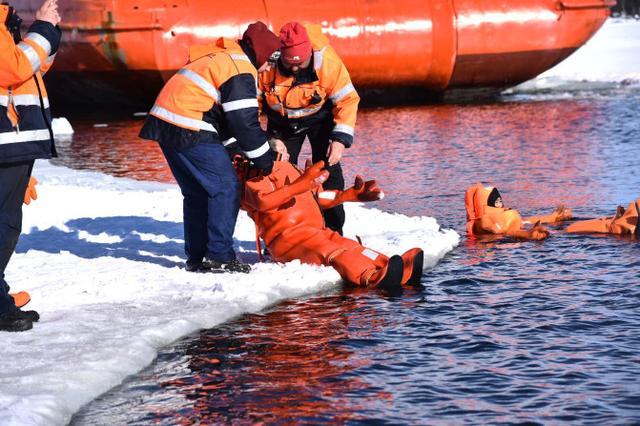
{"x":623,"y":222}
{"x":287,"y":205}
{"x":486,"y":215}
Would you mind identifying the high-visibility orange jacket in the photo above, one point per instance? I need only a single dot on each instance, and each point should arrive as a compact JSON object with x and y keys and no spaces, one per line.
{"x":25,"y":118}
{"x":288,"y":217}
{"x":326,"y":84}
{"x":211,"y":99}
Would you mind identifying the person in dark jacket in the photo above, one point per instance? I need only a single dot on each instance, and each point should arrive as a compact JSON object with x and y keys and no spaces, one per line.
{"x":210,"y":104}
{"x":25,"y":131}
{"x":309,"y":94}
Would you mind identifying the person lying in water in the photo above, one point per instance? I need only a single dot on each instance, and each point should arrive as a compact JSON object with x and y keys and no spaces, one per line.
{"x":286,"y":206}
{"x":487,"y":215}
{"x":623,"y":222}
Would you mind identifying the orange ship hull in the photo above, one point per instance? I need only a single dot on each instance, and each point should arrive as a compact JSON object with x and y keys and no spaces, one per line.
{"x":123,"y":50}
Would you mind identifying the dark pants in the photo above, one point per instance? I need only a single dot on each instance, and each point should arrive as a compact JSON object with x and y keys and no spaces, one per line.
{"x":629,"y":7}
{"x":319,"y":138}
{"x":211,"y":200}
{"x":14,"y":178}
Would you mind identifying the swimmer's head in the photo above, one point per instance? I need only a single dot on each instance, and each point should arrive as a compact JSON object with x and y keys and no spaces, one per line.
{"x":495,"y":199}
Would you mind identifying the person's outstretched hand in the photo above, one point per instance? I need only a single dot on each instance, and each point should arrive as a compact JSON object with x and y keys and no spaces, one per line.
{"x":367,"y":191}
{"x":48,"y":12}
{"x":334,"y":152}
{"x":278,"y":146}
{"x":312,"y":177}
{"x":562,"y":213}
{"x":538,"y":232}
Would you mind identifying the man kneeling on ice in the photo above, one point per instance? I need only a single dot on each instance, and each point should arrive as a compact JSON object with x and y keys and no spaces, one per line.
{"x":287,"y":205}
{"x":486,"y":215}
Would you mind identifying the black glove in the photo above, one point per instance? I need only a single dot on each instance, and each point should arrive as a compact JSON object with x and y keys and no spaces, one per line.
{"x":13,"y":24}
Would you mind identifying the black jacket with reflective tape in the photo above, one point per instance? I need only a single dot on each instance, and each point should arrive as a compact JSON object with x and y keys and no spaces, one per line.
{"x":25,"y":118}
{"x":211,"y":99}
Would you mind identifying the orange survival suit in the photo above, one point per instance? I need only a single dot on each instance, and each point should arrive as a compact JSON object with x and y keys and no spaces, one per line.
{"x":286,"y":208}
{"x":486,"y":215}
{"x":624,"y":222}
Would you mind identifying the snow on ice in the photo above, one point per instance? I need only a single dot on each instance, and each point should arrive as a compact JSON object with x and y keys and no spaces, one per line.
{"x":61,"y":127}
{"x":610,"y":59}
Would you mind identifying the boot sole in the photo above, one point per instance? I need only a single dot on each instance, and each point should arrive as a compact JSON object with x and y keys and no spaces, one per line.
{"x":212,"y":267}
{"x":393,"y":278}
{"x":637,"y":230}
{"x":17,"y":326}
{"x":201,"y":269}
{"x":416,"y":271}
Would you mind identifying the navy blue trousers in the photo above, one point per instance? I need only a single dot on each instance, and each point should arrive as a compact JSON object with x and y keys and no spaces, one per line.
{"x":14,"y":178}
{"x":211,"y":193}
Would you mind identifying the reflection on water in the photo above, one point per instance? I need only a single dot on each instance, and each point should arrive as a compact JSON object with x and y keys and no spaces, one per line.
{"x":113,"y":148}
{"x":297,"y":353}
{"x":502,"y":331}
{"x":539,"y":153}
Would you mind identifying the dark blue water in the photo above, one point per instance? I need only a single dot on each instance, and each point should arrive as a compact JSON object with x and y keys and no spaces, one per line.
{"x":500,"y":332}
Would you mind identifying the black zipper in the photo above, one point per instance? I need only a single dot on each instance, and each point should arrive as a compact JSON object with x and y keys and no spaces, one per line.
{"x":44,"y":117}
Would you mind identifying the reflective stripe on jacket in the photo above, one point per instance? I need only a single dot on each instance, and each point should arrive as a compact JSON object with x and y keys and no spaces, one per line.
{"x":214,"y":93}
{"x":293,"y":100}
{"x":24,"y":123}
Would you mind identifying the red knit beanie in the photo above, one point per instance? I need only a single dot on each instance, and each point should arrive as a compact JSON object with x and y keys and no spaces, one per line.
{"x":296,"y":46}
{"x":262,"y":41}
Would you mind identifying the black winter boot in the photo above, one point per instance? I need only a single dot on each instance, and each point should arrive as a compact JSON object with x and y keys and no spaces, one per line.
{"x":32,"y":316}
{"x":195,"y":267}
{"x":390,"y":277}
{"x":233,"y":266}
{"x":14,"y":322}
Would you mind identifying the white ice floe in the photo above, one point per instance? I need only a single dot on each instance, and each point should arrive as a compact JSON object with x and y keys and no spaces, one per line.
{"x":61,"y":127}
{"x":611,"y":58}
{"x":101,"y":258}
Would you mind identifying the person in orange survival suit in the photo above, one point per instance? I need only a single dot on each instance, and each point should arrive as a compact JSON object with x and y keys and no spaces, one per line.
{"x":309,"y":93}
{"x":487,"y":215}
{"x":25,"y":132}
{"x":624,"y":222}
{"x":286,"y":207}
{"x":208,"y":104}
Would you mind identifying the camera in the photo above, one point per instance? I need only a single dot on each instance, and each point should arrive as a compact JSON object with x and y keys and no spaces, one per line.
{"x":13,"y":24}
